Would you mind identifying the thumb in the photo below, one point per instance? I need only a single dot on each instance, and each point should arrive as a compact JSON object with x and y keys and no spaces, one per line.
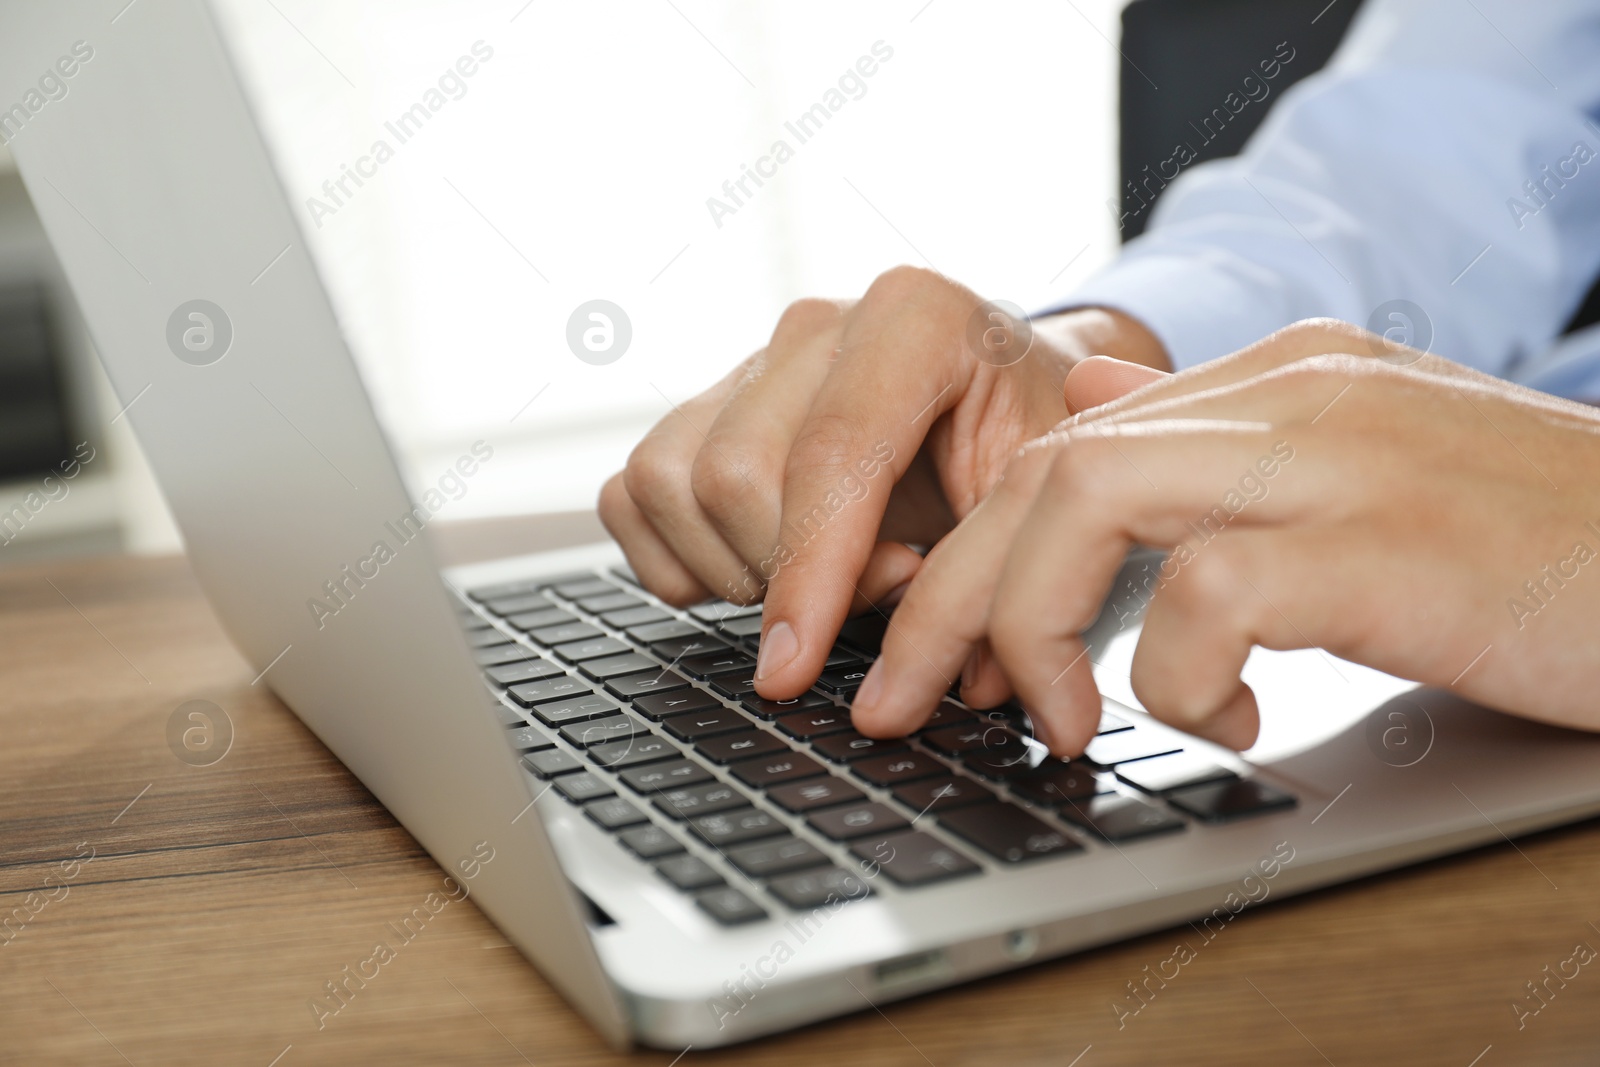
{"x":1101,"y":379}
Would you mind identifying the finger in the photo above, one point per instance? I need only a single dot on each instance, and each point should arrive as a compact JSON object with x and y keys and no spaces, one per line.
{"x":943,"y":614}
{"x":657,"y":479}
{"x":1303,"y":340}
{"x":737,"y":478}
{"x":983,"y":683}
{"x":1159,"y":484}
{"x":901,"y":368}
{"x":1248,"y":587}
{"x":1101,"y":379}
{"x":655,"y":564}
{"x":888,"y":574}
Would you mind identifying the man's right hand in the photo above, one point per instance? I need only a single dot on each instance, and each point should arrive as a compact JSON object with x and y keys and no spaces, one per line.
{"x":863,"y":427}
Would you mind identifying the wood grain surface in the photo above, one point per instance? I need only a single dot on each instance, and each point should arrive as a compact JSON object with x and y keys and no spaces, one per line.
{"x":219,"y":900}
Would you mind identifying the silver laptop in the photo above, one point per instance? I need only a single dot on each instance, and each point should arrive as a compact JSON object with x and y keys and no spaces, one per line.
{"x":688,"y":863}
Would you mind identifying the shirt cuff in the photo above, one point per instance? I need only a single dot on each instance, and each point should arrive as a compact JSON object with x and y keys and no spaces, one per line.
{"x":1199,"y":305}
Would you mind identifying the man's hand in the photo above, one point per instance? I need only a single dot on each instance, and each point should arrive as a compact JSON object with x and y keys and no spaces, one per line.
{"x":862,"y":427}
{"x":1402,"y":512}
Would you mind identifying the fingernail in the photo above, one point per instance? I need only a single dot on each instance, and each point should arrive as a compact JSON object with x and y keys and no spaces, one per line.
{"x":779,"y":645}
{"x":871,"y":688}
{"x":969,"y":673}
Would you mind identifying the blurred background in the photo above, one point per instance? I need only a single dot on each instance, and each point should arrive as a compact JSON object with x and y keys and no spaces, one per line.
{"x":579,"y":161}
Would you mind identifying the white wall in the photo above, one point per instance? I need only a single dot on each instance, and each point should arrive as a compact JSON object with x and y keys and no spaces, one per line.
{"x":579,"y":162}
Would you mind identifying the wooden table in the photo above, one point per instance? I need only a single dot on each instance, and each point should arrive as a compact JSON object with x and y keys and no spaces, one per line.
{"x":219,"y":900}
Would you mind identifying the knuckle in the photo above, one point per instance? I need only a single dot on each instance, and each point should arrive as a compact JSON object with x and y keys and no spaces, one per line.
{"x":1214,"y":583}
{"x":721,"y":477}
{"x":828,"y":441}
{"x":655,"y":474}
{"x":1085,"y":466}
{"x":806,"y":318}
{"x":908,"y":284}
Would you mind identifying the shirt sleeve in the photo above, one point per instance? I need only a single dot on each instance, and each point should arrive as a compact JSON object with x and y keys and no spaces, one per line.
{"x":1440,"y":179}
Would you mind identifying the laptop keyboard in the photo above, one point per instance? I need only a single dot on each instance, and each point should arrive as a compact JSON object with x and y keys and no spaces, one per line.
{"x":647,"y":719}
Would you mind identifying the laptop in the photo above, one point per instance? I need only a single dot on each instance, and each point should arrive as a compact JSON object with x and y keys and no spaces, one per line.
{"x":688,"y":863}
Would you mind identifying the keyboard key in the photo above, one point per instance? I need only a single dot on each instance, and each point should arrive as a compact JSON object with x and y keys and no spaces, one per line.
{"x":816,"y":793}
{"x":730,"y":747}
{"x":507,"y":716}
{"x":731,"y":827}
{"x":575,"y":709}
{"x":1110,"y":724}
{"x":503,"y":589}
{"x":688,"y":872}
{"x":658,"y":706}
{"x":551,"y":762}
{"x":709,"y":664}
{"x":582,"y":787}
{"x":599,"y":731}
{"x":615,"y":813}
{"x":495,"y":655}
{"x":520,"y":604}
{"x":912,"y":858}
{"x":737,"y":685}
{"x":616,"y":666}
{"x":527,"y":739}
{"x":1053,"y":783}
{"x":708,"y":722}
{"x":942,"y":794}
{"x":625,"y":572}
{"x":744,"y":626}
{"x":1008,"y":833}
{"x":634,"y":751}
{"x":1178,"y":770}
{"x":818,"y":722}
{"x":971,"y":736}
{"x":857,"y":820}
{"x":1120,"y":818}
{"x":1108,"y":750}
{"x":762,"y":708}
{"x":865,"y":632}
{"x":634,"y":616}
{"x":530,"y":670}
{"x":849,"y":746}
{"x":655,"y":680}
{"x":1004,"y":758}
{"x":555,"y":687}
{"x":947,"y":714}
{"x":565,"y":633}
{"x":578,"y":590}
{"x":787,"y":767}
{"x":665,"y":775}
{"x":694,"y":644}
{"x":649,"y":842}
{"x":681,"y":802}
{"x":843,"y":679}
{"x":486,"y":637}
{"x":729,"y":906}
{"x":542,"y":619}
{"x":715,"y":611}
{"x":764,"y":859}
{"x":899,"y":767}
{"x":1223,"y":801}
{"x":661,"y":631}
{"x":614,"y":601}
{"x":597,"y":648}
{"x":814,"y":889}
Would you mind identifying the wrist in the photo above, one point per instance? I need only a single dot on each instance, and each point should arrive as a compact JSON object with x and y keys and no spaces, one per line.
{"x":1085,"y":332}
